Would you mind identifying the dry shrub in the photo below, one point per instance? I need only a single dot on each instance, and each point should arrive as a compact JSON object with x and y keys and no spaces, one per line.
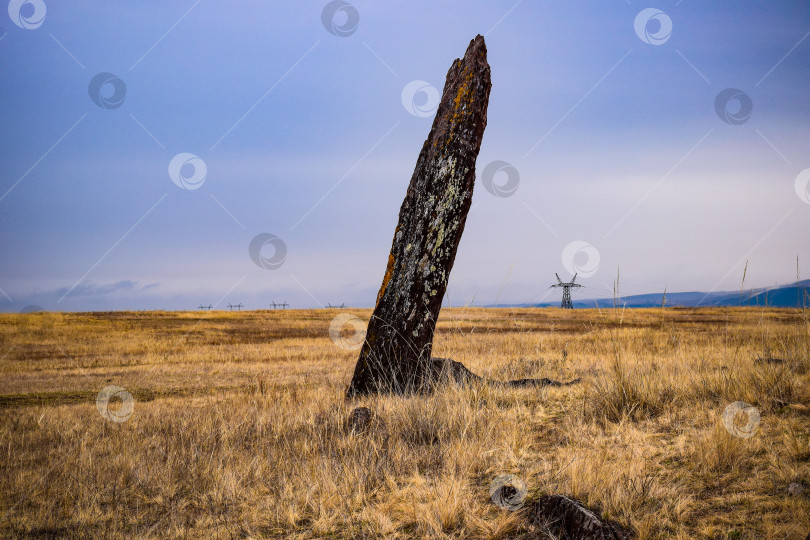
{"x":623,"y":392}
{"x":714,"y":451}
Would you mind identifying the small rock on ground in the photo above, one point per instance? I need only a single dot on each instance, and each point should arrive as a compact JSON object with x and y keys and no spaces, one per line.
{"x":795,"y":489}
{"x":360,"y":420}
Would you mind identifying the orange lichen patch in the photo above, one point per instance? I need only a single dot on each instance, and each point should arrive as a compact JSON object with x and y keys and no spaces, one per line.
{"x":461,"y":104}
{"x":464,"y":94}
{"x":388,"y":271}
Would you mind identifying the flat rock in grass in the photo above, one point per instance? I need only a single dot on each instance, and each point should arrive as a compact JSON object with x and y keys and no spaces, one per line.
{"x":770,"y":360}
{"x":568,"y":519}
{"x":795,"y":489}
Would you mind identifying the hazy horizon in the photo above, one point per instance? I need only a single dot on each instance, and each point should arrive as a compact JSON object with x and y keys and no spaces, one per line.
{"x":163,"y":156}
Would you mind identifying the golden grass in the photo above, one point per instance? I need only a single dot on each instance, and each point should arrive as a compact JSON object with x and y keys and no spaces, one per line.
{"x":239,"y":426}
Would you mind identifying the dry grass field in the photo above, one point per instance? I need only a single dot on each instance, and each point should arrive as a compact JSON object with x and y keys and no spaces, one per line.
{"x":239,"y":426}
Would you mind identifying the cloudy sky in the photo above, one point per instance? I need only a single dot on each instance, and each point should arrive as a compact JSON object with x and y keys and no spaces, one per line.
{"x":147,"y":145}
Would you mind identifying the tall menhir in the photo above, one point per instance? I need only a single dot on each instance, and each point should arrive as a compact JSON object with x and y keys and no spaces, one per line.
{"x":396,"y":353}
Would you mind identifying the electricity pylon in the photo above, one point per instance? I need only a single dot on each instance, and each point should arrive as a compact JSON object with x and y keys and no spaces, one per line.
{"x":566,"y":287}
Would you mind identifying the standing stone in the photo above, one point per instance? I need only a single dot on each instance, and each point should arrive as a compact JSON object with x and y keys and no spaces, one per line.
{"x":396,"y":354}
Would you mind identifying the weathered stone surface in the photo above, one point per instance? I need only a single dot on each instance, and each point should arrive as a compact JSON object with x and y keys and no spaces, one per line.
{"x":795,"y":489}
{"x":770,"y":360}
{"x":442,"y":370}
{"x":568,"y":519}
{"x":396,"y":354}
{"x":360,"y":420}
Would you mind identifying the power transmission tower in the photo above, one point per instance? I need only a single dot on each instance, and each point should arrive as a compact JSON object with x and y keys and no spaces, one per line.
{"x":566,"y":287}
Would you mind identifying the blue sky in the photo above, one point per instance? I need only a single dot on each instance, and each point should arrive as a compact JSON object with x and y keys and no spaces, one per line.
{"x":624,"y":163}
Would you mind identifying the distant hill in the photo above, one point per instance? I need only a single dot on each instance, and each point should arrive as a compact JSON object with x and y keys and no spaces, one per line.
{"x":793,"y":295}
